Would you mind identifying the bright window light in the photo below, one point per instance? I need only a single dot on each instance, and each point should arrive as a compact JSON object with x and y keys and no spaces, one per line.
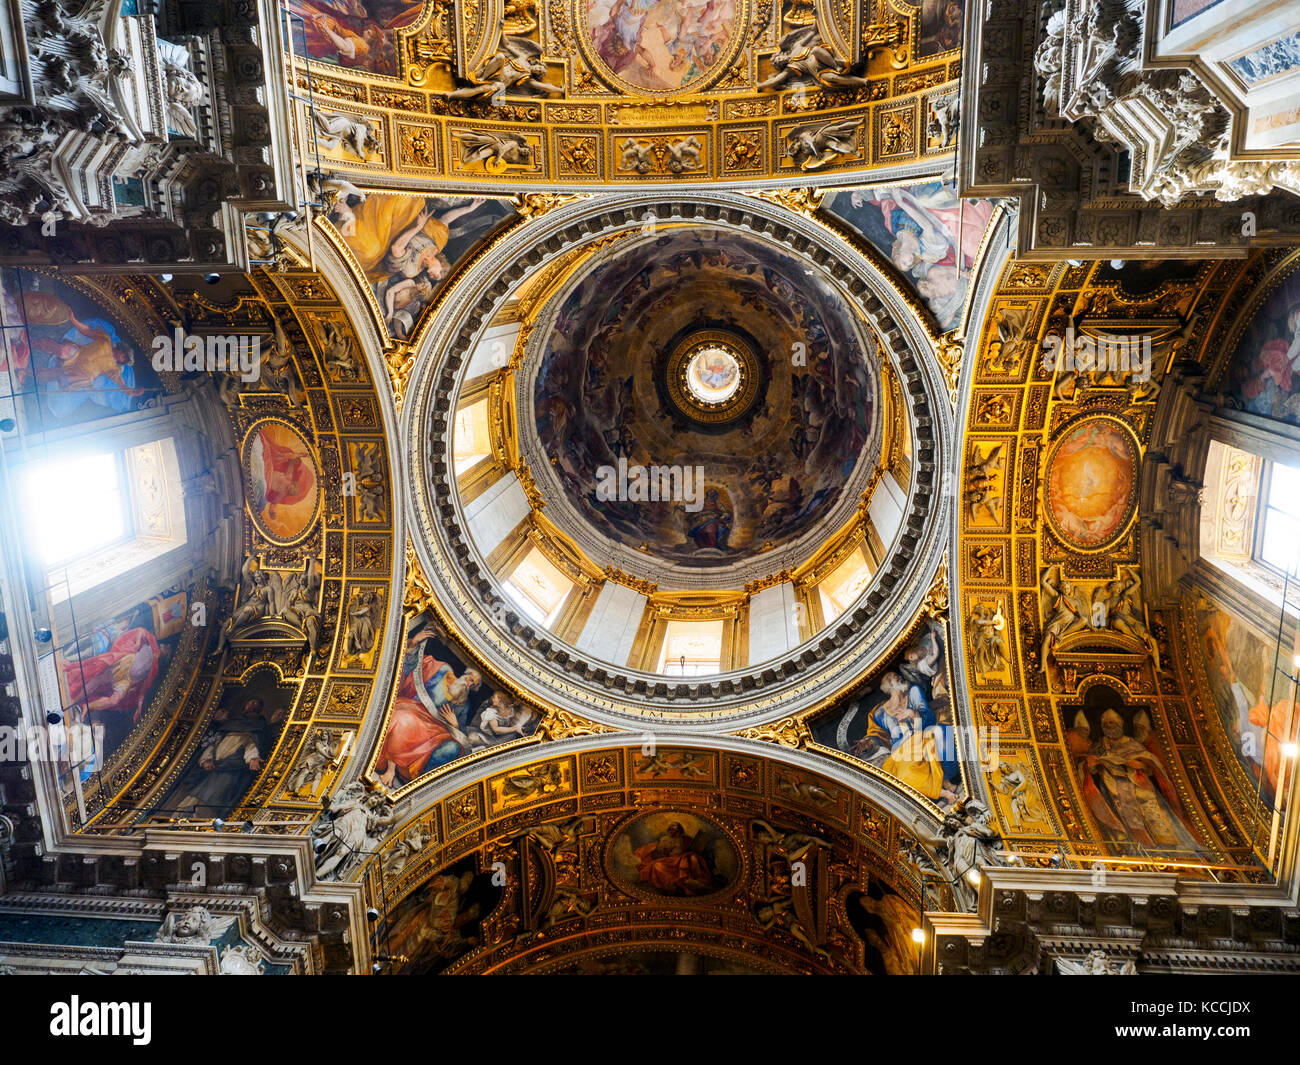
{"x":73,"y":506}
{"x":471,"y":440}
{"x":1282,"y":519}
{"x":692,"y":649}
{"x":539,"y":587}
{"x":840,"y":590}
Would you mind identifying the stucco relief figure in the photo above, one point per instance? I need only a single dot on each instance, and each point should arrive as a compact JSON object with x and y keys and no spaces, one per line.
{"x":983,"y":491}
{"x":302,"y":594}
{"x":358,"y":819}
{"x":1065,"y":606}
{"x":184,"y":90}
{"x":1121,"y":609}
{"x":496,"y":151}
{"x":337,"y":131}
{"x":196,"y":925}
{"x":988,"y":641}
{"x":518,"y":69}
{"x":813,"y":147}
{"x":803,"y":59}
{"x":965,"y":842}
{"x":260,"y":591}
{"x":1097,"y":963}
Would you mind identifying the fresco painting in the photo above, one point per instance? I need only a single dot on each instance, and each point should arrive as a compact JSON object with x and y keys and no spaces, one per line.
{"x":766,"y":482}
{"x":1090,"y":485}
{"x":443,"y":711}
{"x":234,"y":748}
{"x":109,"y":675}
{"x":1252,"y":699}
{"x":282,"y":480}
{"x":351,"y":33}
{"x":68,"y":357}
{"x":1123,"y":777}
{"x":408,"y":245}
{"x":903,"y":723}
{"x":660,"y":45}
{"x":673,"y":854}
{"x":440,"y":921}
{"x":941,"y":25}
{"x":930,"y":235}
{"x":1265,"y":373}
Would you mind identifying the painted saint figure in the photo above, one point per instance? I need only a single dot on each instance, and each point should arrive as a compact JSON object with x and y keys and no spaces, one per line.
{"x":1128,"y":789}
{"x":673,"y":866}
{"x":431,"y":714}
{"x":712,"y":524}
{"x":905,"y":739}
{"x":231,"y":755}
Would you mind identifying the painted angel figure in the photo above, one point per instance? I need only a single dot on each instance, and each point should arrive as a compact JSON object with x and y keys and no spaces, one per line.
{"x":517,"y":66}
{"x":805,"y":60}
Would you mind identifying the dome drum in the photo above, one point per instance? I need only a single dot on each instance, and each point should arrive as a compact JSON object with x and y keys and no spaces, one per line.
{"x":517,"y":644}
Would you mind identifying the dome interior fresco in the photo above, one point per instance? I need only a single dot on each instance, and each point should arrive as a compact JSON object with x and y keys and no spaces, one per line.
{"x":771,"y":468}
{"x":650,"y":487}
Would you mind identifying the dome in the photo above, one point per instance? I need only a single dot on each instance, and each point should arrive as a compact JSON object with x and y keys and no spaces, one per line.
{"x":700,"y":407}
{"x":689,"y":458}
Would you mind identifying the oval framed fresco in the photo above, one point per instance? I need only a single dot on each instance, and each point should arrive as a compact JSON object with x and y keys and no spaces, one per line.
{"x":660,"y":47}
{"x":281,"y":480}
{"x":1090,"y":491}
{"x":673,"y":854}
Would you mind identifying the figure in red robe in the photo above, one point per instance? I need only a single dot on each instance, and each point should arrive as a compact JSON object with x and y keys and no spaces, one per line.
{"x":119,"y":678}
{"x":430,"y":718}
{"x":672,"y":866}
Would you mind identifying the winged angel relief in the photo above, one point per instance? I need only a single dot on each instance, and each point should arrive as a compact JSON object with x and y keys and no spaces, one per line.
{"x":275,"y":606}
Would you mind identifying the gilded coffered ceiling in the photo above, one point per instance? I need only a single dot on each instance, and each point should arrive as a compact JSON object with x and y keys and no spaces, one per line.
{"x":581,"y":93}
{"x":1067,"y":649}
{"x":663,"y":527}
